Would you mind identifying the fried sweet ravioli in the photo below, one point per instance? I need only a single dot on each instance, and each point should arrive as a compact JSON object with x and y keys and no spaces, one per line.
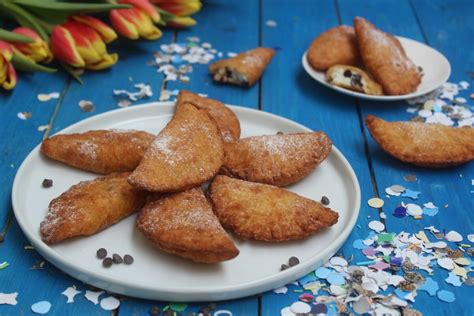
{"x":186,"y":153}
{"x":100,"y":151}
{"x":226,"y":120}
{"x":276,"y":159}
{"x":426,"y":145}
{"x":184,"y":224}
{"x":89,"y":207}
{"x":264,"y":212}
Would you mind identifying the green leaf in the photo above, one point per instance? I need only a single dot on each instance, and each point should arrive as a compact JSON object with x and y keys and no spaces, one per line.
{"x":14,"y":37}
{"x":23,"y":17}
{"x":70,"y":8}
{"x":73,"y":73}
{"x":23,"y":63}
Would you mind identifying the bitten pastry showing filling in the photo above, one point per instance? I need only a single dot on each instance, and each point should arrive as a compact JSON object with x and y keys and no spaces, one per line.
{"x":229,"y":75}
{"x":353,"y":78}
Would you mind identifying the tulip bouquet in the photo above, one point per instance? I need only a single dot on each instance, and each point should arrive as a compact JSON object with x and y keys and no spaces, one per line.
{"x":67,"y":32}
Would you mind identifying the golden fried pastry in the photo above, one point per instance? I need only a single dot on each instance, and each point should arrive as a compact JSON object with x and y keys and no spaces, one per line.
{"x":89,"y":207}
{"x":276,"y":159}
{"x":264,"y":212}
{"x":244,"y":69}
{"x":335,"y":46}
{"x":385,"y":58}
{"x":101,"y":151}
{"x":426,"y":145}
{"x":186,"y":153}
{"x":226,"y":120}
{"x":184,"y":224}
{"x":353,"y":78}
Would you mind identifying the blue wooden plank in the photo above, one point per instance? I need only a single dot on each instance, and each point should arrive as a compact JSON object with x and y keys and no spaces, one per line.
{"x":441,"y":25}
{"x":288,"y":91}
{"x":220,"y":24}
{"x":34,"y":285}
{"x":229,"y":26}
{"x":19,"y":136}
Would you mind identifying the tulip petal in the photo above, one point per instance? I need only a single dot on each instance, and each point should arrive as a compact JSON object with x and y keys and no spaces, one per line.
{"x":184,"y":21}
{"x":64,"y":48}
{"x":145,"y":6}
{"x":37,"y":51}
{"x":27,"y":32}
{"x":181,"y":9}
{"x":10,"y":81}
{"x":6,"y":50}
{"x":106,"y":32}
{"x":122,"y":25}
{"x":143,"y":23}
{"x":107,"y":61}
{"x":88,"y":43}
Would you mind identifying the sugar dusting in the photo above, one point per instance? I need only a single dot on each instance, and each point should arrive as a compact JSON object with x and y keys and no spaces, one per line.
{"x":88,"y":149}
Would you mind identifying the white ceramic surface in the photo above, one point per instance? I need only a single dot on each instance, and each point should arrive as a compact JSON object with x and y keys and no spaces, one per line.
{"x":161,"y":276}
{"x":436,"y":70}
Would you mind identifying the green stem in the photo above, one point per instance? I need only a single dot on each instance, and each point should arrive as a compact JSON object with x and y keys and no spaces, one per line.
{"x":14,"y":37}
{"x":24,"y":18}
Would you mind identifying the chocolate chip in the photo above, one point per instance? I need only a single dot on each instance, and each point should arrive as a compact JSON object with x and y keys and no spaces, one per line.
{"x":347,"y":73}
{"x":155,"y":311}
{"x":325,"y":200}
{"x":279,"y":133}
{"x":117,"y":259}
{"x":356,"y":80}
{"x":284,"y":267}
{"x":47,"y":183}
{"x":101,"y":253}
{"x":128,"y":259}
{"x":107,"y":263}
{"x":293,"y":261}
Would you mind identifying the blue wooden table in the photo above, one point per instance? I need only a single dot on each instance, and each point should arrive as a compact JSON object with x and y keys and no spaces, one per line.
{"x":286,"y":90}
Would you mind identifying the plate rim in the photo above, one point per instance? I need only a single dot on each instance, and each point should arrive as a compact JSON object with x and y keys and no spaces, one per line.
{"x":176,"y":293}
{"x":309,"y":70}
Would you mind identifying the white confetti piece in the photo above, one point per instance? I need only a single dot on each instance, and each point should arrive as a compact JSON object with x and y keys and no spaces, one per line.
{"x":376,"y":226}
{"x":8,"y":298}
{"x":300,"y":308}
{"x":93,"y":296}
{"x":43,"y":128}
{"x":86,"y":106}
{"x":361,"y":306}
{"x":144,"y":91}
{"x":223,"y":312}
{"x":109,"y":303}
{"x":338,"y":261}
{"x":281,"y":290}
{"x":470,"y":237}
{"x":70,"y":292}
{"x":286,"y":311}
{"x":41,"y":308}
{"x":453,"y":236}
{"x":44,"y":97}
{"x":414,"y":209}
{"x":24,"y":115}
{"x":271,"y":23}
{"x":446,"y":263}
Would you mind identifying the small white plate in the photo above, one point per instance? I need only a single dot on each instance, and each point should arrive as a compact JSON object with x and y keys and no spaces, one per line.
{"x":436,"y":70}
{"x":161,"y":276}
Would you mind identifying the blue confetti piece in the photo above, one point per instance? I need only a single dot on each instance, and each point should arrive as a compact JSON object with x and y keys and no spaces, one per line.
{"x":453,"y":279}
{"x":359,"y":244}
{"x":332,"y":309}
{"x":401,"y":294}
{"x":430,"y":211}
{"x":430,"y":286}
{"x":307,"y":279}
{"x":446,"y":296}
{"x":336,"y":278}
{"x":411,"y":194}
{"x":371,"y":234}
{"x":437,"y":108}
{"x":322,"y":272}
{"x":400,"y":212}
{"x":41,"y":307}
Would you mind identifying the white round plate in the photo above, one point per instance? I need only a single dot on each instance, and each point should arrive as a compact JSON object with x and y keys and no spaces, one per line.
{"x":161,"y":276}
{"x":436,"y":70}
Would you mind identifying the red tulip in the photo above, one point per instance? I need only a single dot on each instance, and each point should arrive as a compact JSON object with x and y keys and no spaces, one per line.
{"x":81,"y":44}
{"x":8,"y":76}
{"x":106,"y":32}
{"x":179,"y":7}
{"x":38,"y":50}
{"x":135,"y":22}
{"x":178,"y":21}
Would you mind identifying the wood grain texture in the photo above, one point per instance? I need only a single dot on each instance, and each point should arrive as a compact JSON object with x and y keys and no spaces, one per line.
{"x":441,"y":23}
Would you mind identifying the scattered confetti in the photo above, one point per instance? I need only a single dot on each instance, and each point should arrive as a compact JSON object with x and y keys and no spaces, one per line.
{"x":453,"y":236}
{"x":281,"y":290}
{"x":410,"y":178}
{"x":446,"y":263}
{"x":144,"y":91}
{"x":8,"y":298}
{"x":453,"y":279}
{"x":109,"y":303}
{"x":222,"y":312}
{"x":411,"y":194}
{"x":41,"y":307}
{"x":4,"y":265}
{"x":400,"y":212}
{"x":377,"y":226}
{"x":178,"y":307}
{"x":300,"y":308}
{"x":430,"y":286}
{"x":24,"y":115}
{"x":93,"y":296}
{"x":470,"y":237}
{"x":375,"y":202}
{"x":414,"y":209}
{"x":70,"y":292}
{"x":271,"y":23}
{"x":43,"y":128}
{"x":446,"y":296}
{"x":44,"y":97}
{"x":86,"y":106}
